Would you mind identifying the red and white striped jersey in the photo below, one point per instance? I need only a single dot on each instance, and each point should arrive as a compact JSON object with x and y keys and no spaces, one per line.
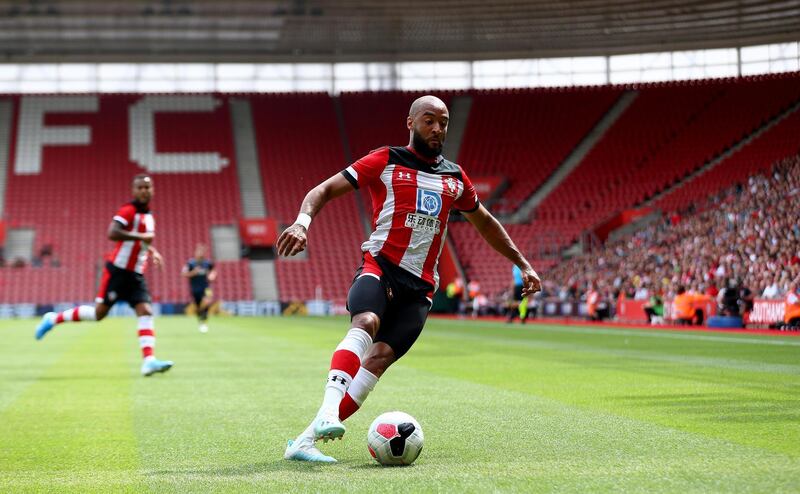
{"x":132,"y":254}
{"x":411,"y":200}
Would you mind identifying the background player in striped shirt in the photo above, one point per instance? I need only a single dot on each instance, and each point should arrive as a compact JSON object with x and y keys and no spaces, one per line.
{"x":133,"y":228}
{"x":413,"y":190}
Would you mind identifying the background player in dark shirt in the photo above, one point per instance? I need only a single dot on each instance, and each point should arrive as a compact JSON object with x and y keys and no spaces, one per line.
{"x":200,"y":272}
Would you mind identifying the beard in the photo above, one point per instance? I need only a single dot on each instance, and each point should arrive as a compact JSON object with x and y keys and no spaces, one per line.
{"x":423,"y":148}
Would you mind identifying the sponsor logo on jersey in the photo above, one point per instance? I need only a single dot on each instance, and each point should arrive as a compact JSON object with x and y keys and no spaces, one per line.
{"x":423,"y":222}
{"x":429,"y":202}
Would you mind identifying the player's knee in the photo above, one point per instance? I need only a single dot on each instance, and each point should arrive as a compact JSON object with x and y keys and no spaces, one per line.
{"x":100,"y":312}
{"x":368,"y":321}
{"x":144,"y":310}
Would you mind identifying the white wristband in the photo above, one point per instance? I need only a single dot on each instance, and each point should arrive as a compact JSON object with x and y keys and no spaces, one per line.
{"x":303,"y":219}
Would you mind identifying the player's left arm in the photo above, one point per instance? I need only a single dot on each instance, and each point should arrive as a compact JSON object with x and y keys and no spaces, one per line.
{"x":158,"y":260}
{"x":212,"y":273}
{"x":495,"y":235}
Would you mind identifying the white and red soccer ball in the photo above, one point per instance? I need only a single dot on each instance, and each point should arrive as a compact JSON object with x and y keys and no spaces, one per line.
{"x":395,"y":438}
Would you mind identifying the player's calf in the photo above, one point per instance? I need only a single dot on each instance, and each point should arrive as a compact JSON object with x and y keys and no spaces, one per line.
{"x":52,"y":319}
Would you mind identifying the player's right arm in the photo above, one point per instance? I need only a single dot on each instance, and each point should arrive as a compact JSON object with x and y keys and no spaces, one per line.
{"x":293,"y":240}
{"x":123,"y":218}
{"x":188,"y":270}
{"x":363,"y":172}
{"x":117,"y":233}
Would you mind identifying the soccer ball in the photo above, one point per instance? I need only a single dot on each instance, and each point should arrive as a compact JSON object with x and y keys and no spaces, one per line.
{"x":395,"y":438}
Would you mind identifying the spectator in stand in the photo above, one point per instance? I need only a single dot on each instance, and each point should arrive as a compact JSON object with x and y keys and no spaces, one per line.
{"x":746,"y":302}
{"x":473,"y":291}
{"x":772,"y":290}
{"x":655,"y":309}
{"x":592,"y":301}
{"x":683,"y":307}
{"x":728,"y":299}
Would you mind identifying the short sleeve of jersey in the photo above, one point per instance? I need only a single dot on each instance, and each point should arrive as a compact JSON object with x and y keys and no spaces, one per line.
{"x":125,"y":215}
{"x":368,"y":169}
{"x":210,"y":265}
{"x":190,"y":265}
{"x":468,"y":202}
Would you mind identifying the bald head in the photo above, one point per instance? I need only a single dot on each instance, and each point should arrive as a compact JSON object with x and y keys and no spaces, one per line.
{"x":428,"y":102}
{"x":427,"y":124}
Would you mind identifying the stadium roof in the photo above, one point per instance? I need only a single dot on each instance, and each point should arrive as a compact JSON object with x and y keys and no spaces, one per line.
{"x":359,"y":30}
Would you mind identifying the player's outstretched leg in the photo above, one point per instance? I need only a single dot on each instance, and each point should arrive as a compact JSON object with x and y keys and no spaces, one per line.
{"x":51,"y":319}
{"x":147,"y":341}
{"x":344,"y":366}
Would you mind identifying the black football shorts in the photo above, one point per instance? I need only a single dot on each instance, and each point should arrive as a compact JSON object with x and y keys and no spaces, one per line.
{"x":121,"y":285}
{"x":400,"y":299}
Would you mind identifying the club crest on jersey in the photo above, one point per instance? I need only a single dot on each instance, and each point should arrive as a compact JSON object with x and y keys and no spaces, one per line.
{"x":429,"y":202}
{"x":452,"y":186}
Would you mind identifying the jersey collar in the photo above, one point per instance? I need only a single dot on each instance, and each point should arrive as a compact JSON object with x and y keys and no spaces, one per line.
{"x":432,"y":161}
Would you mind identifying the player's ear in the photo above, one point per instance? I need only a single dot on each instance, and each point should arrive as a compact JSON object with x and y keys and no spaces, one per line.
{"x":409,"y":122}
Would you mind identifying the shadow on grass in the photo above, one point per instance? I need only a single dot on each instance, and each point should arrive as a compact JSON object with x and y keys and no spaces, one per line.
{"x":720,"y":407}
{"x":262,"y":467}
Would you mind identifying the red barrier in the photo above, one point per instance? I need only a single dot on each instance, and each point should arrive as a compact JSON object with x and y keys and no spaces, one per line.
{"x":2,"y":233}
{"x":631,"y":311}
{"x":258,"y":232}
{"x":767,"y":311}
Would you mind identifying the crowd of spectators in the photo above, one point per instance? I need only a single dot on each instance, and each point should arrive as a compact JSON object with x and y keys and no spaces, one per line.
{"x":742,"y":243}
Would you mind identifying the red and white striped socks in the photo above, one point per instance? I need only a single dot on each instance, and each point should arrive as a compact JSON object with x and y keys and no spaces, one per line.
{"x":78,"y":314}
{"x":362,"y":384}
{"x":147,"y":337}
{"x":344,"y":365}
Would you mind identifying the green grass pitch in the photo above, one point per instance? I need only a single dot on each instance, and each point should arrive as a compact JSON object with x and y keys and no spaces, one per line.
{"x":520,"y":409}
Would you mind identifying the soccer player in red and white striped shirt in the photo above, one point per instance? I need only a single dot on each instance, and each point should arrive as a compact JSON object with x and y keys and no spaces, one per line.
{"x":133,"y":228}
{"x":413,"y":190}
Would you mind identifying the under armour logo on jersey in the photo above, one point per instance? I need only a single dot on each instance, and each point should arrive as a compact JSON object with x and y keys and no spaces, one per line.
{"x":340,"y":379}
{"x":405,"y":175}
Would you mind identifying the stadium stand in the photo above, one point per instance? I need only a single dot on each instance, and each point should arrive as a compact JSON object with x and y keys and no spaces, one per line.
{"x":755,"y":157}
{"x":70,"y":202}
{"x":299,"y":147}
{"x":526,"y":147}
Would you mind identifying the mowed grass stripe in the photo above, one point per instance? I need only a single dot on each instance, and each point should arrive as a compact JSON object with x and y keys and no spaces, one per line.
{"x":72,"y":428}
{"x":23,"y":360}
